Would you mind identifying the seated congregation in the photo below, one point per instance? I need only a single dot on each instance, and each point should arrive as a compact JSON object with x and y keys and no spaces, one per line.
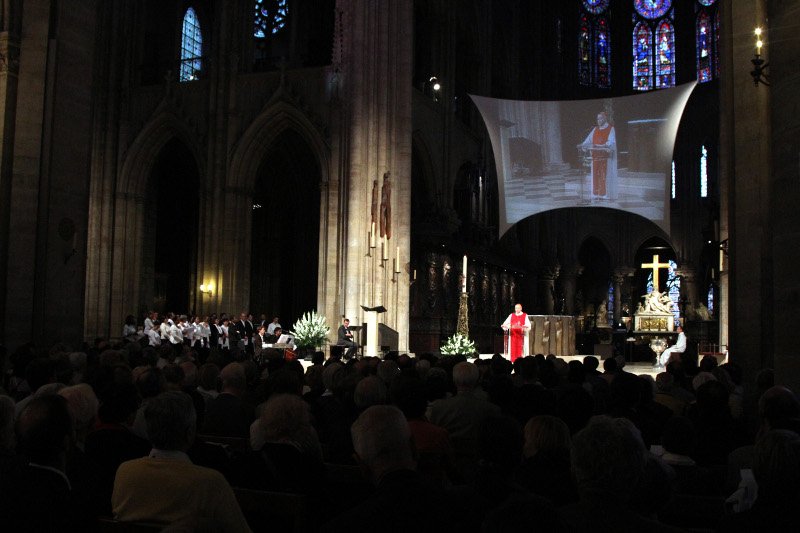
{"x":119,"y":434}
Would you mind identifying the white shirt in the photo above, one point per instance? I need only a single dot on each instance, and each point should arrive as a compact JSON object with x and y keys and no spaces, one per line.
{"x":175,"y":335}
{"x":153,"y":336}
{"x":271,"y":328}
{"x":148,"y":324}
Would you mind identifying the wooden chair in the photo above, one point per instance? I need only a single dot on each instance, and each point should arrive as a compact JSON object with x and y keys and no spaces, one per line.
{"x":110,"y":525}
{"x":273,"y":511}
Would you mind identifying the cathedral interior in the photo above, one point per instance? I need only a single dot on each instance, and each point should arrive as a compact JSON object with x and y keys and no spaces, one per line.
{"x":203,"y":156}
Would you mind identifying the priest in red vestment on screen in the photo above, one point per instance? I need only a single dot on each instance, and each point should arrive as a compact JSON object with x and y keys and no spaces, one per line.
{"x":517,"y":326}
{"x":601,"y":143}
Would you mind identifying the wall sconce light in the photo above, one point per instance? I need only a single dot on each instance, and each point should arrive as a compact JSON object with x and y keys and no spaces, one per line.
{"x":207,"y":289}
{"x":759,"y":65}
{"x":435,"y":88}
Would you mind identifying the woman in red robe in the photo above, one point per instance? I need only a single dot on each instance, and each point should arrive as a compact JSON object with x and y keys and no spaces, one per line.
{"x":517,"y":325}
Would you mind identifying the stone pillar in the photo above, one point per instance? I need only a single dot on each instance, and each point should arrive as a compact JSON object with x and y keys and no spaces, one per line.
{"x":689,"y":293}
{"x":569,"y":279}
{"x":619,"y":276}
{"x":783,"y":232}
{"x":377,"y":80}
{"x":547,"y":277}
{"x":745,"y":169}
{"x":9,"y":75}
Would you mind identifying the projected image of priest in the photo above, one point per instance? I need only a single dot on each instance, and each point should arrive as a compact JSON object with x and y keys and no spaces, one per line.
{"x":601,"y":148}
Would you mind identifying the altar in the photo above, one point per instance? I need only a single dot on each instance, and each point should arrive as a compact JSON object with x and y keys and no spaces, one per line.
{"x":552,"y":334}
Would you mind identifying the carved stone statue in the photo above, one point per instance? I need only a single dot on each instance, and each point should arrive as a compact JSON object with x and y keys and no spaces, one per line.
{"x":656,"y":302}
{"x":602,"y":314}
{"x":374,"y":211}
{"x":386,"y":207}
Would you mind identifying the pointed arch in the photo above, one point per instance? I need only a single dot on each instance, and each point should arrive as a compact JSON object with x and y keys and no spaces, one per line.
{"x":259,"y":136}
{"x":141,"y":154}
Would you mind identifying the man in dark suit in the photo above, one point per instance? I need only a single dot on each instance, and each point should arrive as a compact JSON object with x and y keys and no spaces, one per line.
{"x":259,"y":342}
{"x":346,"y":339}
{"x":245,"y":329}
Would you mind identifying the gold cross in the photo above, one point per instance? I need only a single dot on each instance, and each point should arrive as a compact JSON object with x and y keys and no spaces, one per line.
{"x":655,"y":265}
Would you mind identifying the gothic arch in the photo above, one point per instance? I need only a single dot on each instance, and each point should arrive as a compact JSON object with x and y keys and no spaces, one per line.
{"x":142,"y":153}
{"x":259,"y":136}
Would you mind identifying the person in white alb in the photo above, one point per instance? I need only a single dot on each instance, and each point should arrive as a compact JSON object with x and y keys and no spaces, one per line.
{"x":176,"y":331}
{"x":678,"y":347}
{"x":163,"y":329}
{"x":153,"y":335}
{"x":272,"y":325}
{"x":148,"y":321}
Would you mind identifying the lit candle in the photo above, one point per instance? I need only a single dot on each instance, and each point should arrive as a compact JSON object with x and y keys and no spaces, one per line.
{"x":759,"y":43}
{"x":464,"y":270}
{"x":415,"y":275}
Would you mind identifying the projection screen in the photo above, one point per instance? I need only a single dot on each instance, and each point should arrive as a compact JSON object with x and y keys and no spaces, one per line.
{"x":613,"y":152}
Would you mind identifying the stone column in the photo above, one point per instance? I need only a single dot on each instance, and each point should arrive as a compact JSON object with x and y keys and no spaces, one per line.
{"x":9,"y":75}
{"x":619,"y":276}
{"x":377,"y":81}
{"x":569,"y":279}
{"x":547,"y":277}
{"x":689,"y":293}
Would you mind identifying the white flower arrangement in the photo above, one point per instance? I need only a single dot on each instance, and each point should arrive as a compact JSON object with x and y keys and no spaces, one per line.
{"x":311,"y":330}
{"x":458,"y":344}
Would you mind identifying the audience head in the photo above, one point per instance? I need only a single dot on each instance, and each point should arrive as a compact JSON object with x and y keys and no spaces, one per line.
{"x":465,"y":376}
{"x":209,"y":376}
{"x":779,"y":408}
{"x":370,"y":391}
{"x":173,"y":376}
{"x":189,"y":374}
{"x":387,"y":371}
{"x":44,"y":431}
{"x":329,"y":375}
{"x":590,"y":364}
{"x":171,"y":421}
{"x":528,"y":369}
{"x":608,"y":456}
{"x":234,"y":379}
{"x":702,"y":378}
{"x":708,"y":363}
{"x":83,"y":407}
{"x":286,"y":418}
{"x":610,"y":365}
{"x":546,"y":434}
{"x":665,"y":381}
{"x":150,"y":382}
{"x":382,"y":441}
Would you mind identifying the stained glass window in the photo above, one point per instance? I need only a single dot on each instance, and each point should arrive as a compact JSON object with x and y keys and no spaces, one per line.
{"x":602,"y":54}
{"x":653,"y":45}
{"x":610,"y":303}
{"x":707,"y":40}
{"x":652,"y":9}
{"x":585,"y":51}
{"x":270,"y":17}
{"x":595,"y":7}
{"x":710,"y":300}
{"x":642,"y":57}
{"x":665,"y":62}
{"x":191,"y":47}
{"x":594,"y":45}
{"x":672,"y":188}
{"x":703,"y":172}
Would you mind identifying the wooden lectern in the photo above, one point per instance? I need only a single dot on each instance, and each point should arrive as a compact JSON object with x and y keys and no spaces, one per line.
{"x":371,"y":316}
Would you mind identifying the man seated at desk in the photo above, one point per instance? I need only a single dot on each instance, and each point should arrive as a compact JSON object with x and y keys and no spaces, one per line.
{"x":272,"y":339}
{"x":345,"y":339}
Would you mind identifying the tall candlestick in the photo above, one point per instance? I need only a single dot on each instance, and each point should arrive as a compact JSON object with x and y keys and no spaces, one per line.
{"x":721,"y":259}
{"x":464,"y":270}
{"x":372,"y":236}
{"x":385,"y":248}
{"x":397,"y":261}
